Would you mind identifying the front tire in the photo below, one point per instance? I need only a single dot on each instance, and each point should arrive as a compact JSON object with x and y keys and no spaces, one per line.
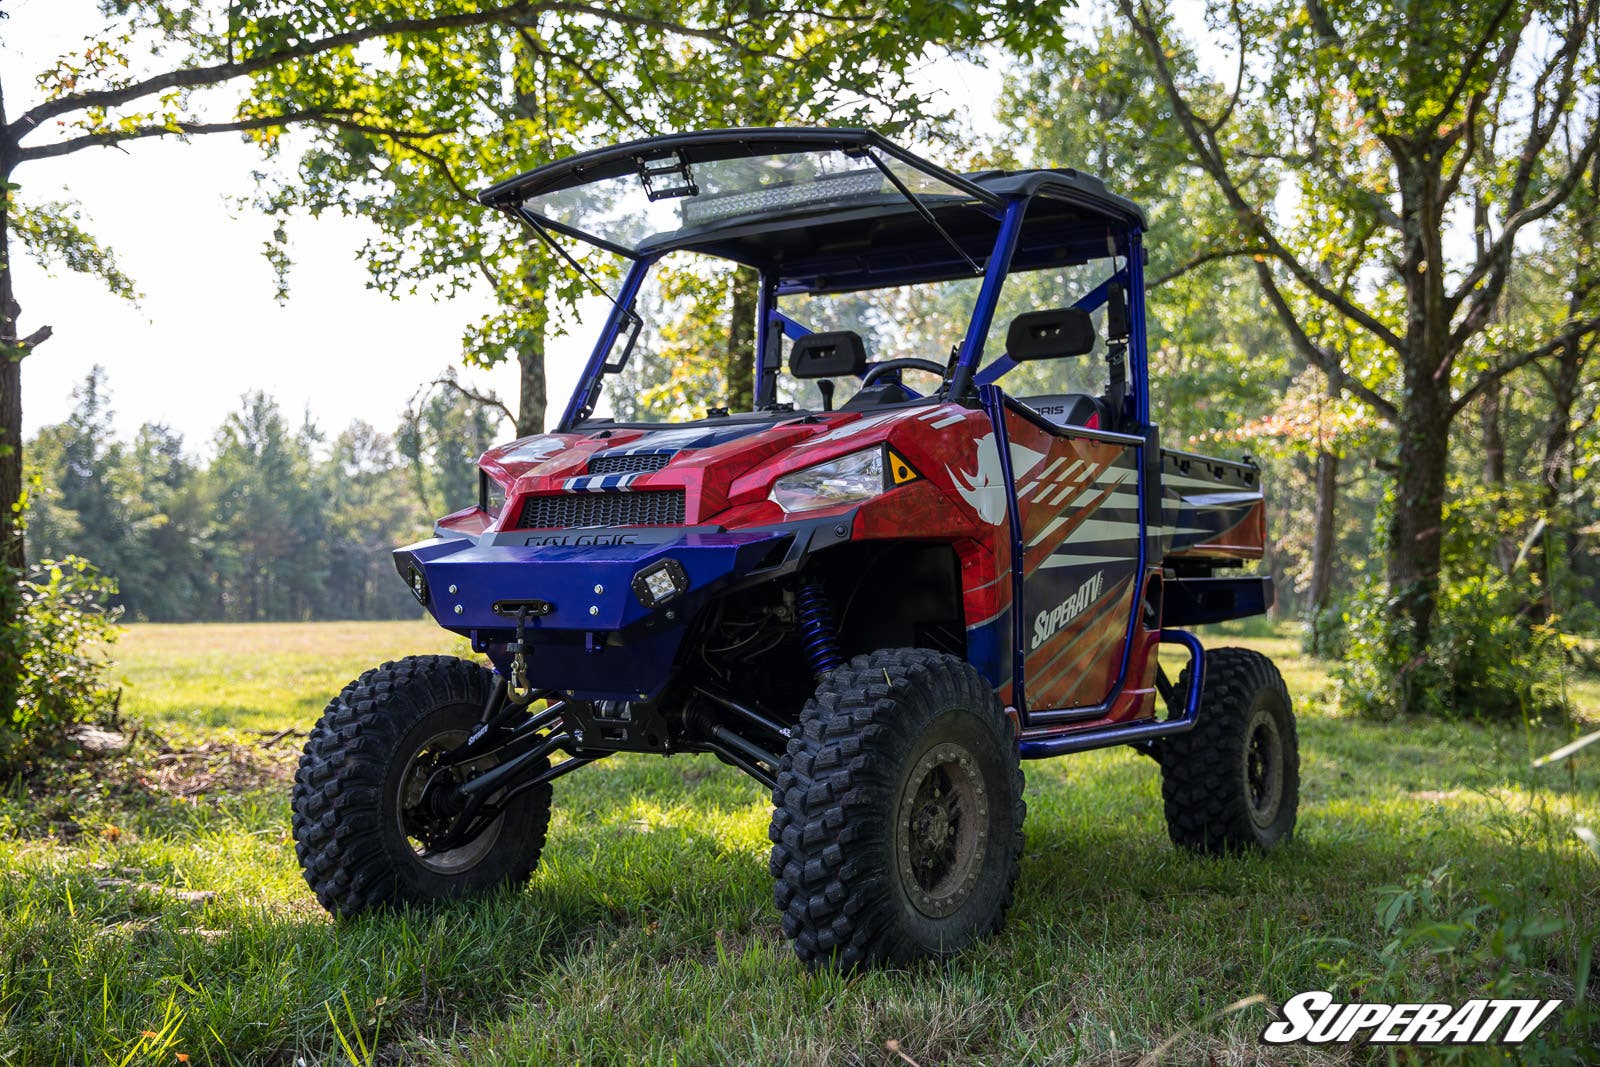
{"x":359,"y":829}
{"x":1232,"y":783}
{"x":897,"y":822}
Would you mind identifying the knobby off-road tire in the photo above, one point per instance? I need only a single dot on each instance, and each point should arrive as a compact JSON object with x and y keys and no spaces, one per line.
{"x":366,"y":758}
{"x":1232,"y":783}
{"x":897,"y":822}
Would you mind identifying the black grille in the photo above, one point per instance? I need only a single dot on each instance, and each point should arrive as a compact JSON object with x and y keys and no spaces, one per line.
{"x":657,"y":507}
{"x":640,"y":464}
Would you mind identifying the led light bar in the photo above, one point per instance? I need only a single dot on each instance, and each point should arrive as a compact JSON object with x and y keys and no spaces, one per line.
{"x":824,"y":189}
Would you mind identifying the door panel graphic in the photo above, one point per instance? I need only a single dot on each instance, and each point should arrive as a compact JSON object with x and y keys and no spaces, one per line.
{"x":1078,"y":503}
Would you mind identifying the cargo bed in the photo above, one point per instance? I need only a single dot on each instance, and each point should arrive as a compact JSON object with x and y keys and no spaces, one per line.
{"x":1212,"y":510}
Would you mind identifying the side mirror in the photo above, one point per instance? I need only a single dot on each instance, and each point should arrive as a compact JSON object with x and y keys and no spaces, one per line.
{"x":828,"y":355}
{"x":1052,"y":334}
{"x":1116,"y":314}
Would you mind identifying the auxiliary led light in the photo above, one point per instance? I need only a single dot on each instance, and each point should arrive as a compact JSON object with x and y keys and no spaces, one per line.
{"x":660,"y":582}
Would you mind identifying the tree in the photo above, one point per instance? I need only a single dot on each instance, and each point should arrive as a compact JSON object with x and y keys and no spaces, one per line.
{"x":1356,"y":135}
{"x":267,"y":517}
{"x":276,"y":526}
{"x":160,"y":575}
{"x":441,"y":436}
{"x":366,"y":493}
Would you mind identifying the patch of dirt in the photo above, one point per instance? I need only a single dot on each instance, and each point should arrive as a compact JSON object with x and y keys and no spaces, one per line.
{"x":216,"y":767}
{"x":62,"y":796}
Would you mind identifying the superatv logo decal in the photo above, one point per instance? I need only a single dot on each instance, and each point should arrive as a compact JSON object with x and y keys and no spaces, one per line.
{"x":985,"y":490}
{"x":1049,"y":623}
{"x":1317,"y":1019}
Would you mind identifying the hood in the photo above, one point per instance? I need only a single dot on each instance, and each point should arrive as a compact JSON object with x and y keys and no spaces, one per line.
{"x":718,"y":464}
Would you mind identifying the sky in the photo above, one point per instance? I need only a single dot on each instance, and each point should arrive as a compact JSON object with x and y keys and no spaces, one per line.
{"x":206,"y":328}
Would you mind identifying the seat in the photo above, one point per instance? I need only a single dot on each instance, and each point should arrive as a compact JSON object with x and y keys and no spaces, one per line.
{"x":1067,"y":409}
{"x":873,"y":395}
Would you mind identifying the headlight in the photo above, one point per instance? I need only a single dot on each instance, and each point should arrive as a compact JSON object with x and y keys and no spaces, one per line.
{"x":858,"y":476}
{"x":491,"y":494}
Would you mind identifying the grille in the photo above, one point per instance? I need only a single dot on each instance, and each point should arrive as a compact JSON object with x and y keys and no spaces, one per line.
{"x":640,"y":464}
{"x":656,"y":507}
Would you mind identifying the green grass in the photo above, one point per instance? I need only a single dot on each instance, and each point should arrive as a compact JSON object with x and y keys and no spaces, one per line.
{"x":648,"y":932}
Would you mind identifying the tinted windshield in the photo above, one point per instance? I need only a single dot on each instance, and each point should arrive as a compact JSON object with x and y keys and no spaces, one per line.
{"x":696,"y":347}
{"x":667,"y":196}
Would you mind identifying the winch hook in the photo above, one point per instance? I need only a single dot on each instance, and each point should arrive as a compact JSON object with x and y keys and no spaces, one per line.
{"x":518,"y":691}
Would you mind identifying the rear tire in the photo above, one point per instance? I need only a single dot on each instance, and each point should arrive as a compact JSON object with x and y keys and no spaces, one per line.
{"x":355,"y":817}
{"x":897,"y":822}
{"x":1232,"y":783}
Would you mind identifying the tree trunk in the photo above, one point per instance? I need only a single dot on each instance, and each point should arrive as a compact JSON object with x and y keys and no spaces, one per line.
{"x":12,"y":550}
{"x":1555,"y":461}
{"x":1494,"y":474}
{"x":531,"y":396}
{"x":739,"y":368}
{"x":1414,"y":548}
{"x":532,"y":393}
{"x":1323,"y":525}
{"x":1322,"y":542}
{"x":11,"y":356}
{"x":1557,"y":546}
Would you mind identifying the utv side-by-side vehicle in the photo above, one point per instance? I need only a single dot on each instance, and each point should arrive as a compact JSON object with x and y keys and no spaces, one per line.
{"x":875,"y":582}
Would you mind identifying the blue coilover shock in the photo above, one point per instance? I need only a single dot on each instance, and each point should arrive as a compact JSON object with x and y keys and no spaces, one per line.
{"x":816,"y":629}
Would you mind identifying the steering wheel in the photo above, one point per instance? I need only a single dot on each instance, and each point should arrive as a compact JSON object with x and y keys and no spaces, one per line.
{"x":903,"y":363}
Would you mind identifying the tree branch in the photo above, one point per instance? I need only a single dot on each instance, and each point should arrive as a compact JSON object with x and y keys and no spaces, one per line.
{"x":1494,"y":263}
{"x":1211,"y":160}
{"x":1328,"y":362}
{"x":621,"y":112}
{"x":486,"y":400}
{"x":1477,"y":57}
{"x":195,"y":77}
{"x":1489,"y":377}
{"x":186,"y":129}
{"x":1238,"y":78}
{"x":1200,"y":261}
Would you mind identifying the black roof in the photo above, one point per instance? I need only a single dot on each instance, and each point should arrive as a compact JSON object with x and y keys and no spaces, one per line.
{"x":616,"y":160}
{"x":1069,"y":216}
{"x":1066,"y":183}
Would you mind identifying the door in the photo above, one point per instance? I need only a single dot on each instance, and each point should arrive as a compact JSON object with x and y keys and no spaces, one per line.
{"x":1077,"y":494}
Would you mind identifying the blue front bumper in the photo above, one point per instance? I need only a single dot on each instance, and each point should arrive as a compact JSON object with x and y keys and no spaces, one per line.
{"x":598,"y":639}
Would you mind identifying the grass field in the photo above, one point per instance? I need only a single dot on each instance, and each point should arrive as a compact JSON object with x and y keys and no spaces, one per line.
{"x":151,"y":908}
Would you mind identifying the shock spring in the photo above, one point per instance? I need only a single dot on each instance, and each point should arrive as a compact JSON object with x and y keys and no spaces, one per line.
{"x":816,"y":629}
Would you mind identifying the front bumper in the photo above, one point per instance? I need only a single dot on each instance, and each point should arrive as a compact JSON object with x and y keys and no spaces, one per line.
{"x":591,"y":635}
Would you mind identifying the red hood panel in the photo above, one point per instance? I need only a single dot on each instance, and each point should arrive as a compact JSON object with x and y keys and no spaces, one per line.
{"x":718,"y":465}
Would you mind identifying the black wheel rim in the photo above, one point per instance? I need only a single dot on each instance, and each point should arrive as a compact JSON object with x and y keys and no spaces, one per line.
{"x":1263,"y":767}
{"x":420,"y":824}
{"x":941,"y":829}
